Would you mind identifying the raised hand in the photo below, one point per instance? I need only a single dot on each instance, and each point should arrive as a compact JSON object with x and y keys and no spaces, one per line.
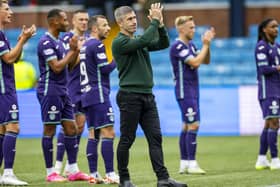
{"x":27,"y":33}
{"x":73,"y":43}
{"x":208,"y":35}
{"x":155,"y":12}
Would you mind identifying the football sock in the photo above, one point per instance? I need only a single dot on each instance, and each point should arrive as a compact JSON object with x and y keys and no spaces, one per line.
{"x":191,"y":144}
{"x":92,"y":155}
{"x":183,"y":146}
{"x":263,"y":142}
{"x":71,"y":148}
{"x":47,"y":147}
{"x":108,"y":153}
{"x":1,"y":148}
{"x":60,"y":146}
{"x":272,"y":142}
{"x":9,"y":149}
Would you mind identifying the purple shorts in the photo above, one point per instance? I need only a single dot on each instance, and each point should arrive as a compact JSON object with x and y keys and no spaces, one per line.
{"x":270,"y":108}
{"x":190,"y":110}
{"x":100,"y":115}
{"x":9,"y":109}
{"x":55,"y":109}
{"x":78,"y":109}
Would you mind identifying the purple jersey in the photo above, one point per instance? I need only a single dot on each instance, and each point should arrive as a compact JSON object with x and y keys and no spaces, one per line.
{"x":95,"y":73}
{"x":74,"y":86}
{"x":7,"y":80}
{"x":267,"y":58}
{"x":51,"y":83}
{"x":186,"y":77}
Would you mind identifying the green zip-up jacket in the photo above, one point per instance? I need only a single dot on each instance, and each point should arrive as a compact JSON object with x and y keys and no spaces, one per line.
{"x":133,"y":60}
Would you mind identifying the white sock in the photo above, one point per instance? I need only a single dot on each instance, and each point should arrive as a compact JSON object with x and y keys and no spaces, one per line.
{"x":192,"y":163}
{"x":58,"y":166}
{"x":73,"y":168}
{"x":262,"y":158}
{"x":184,"y":162}
{"x":8,"y":172}
{"x":49,"y":171}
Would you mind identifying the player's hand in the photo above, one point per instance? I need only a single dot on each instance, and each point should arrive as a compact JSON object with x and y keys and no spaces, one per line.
{"x":155,"y":12}
{"x":73,"y":43}
{"x":208,"y":36}
{"x":81,"y":42}
{"x":27,"y":33}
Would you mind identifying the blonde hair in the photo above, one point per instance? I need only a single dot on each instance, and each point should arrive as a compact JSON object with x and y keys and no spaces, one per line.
{"x":182,"y":19}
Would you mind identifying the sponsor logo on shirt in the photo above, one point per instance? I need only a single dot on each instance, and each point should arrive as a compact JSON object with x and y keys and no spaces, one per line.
{"x":261,"y":47}
{"x":261,"y":56}
{"x":179,"y":46}
{"x":101,"y":56}
{"x":48,"y":51}
{"x":183,"y":53}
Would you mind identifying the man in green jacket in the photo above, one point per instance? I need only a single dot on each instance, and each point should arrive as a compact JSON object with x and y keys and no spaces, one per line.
{"x":135,"y":98}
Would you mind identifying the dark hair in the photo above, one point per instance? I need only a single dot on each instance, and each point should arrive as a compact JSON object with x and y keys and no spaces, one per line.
{"x":262,"y":25}
{"x":80,"y":11}
{"x":93,"y":20}
{"x":54,"y":13}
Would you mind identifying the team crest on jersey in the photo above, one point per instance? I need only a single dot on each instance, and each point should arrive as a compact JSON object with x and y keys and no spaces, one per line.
{"x":2,"y":43}
{"x":48,"y":51}
{"x":261,"y":56}
{"x":111,"y":114}
{"x":14,"y":112}
{"x":274,"y":107}
{"x":101,"y":56}
{"x":183,"y":53}
{"x":52,"y":112}
{"x":190,"y":114}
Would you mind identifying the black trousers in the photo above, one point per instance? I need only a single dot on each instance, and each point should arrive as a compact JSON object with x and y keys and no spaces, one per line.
{"x":140,"y":109}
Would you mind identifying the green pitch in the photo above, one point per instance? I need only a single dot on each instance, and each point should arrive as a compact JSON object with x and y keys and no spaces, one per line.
{"x":229,"y":162}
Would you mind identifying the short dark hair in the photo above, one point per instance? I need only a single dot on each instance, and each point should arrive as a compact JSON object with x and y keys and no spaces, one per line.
{"x":121,"y":11}
{"x":80,"y":11}
{"x":93,"y":20}
{"x":54,"y":13}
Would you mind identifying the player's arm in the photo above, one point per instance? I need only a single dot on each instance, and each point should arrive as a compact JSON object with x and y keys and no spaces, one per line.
{"x":14,"y":54}
{"x":102,"y":61}
{"x":204,"y":56}
{"x":58,"y":65}
{"x":262,"y":61}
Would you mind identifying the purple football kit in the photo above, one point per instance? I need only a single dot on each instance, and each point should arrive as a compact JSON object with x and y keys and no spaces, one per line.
{"x":267,"y":58}
{"x":186,"y":80}
{"x":52,"y":91}
{"x":95,"y":84}
{"x":8,"y":98}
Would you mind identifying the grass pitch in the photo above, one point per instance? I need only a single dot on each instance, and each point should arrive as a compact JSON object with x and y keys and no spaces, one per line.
{"x":228,"y":161}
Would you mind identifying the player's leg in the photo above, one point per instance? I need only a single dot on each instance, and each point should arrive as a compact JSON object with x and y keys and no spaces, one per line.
{"x":262,"y":162}
{"x":70,"y":141}
{"x":11,"y":130}
{"x":191,"y":112}
{"x":92,"y":145}
{"x":272,"y":137}
{"x":60,"y":150}
{"x":107,"y":150}
{"x":80,"y":122}
{"x":130,"y":107}
{"x":183,"y":150}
